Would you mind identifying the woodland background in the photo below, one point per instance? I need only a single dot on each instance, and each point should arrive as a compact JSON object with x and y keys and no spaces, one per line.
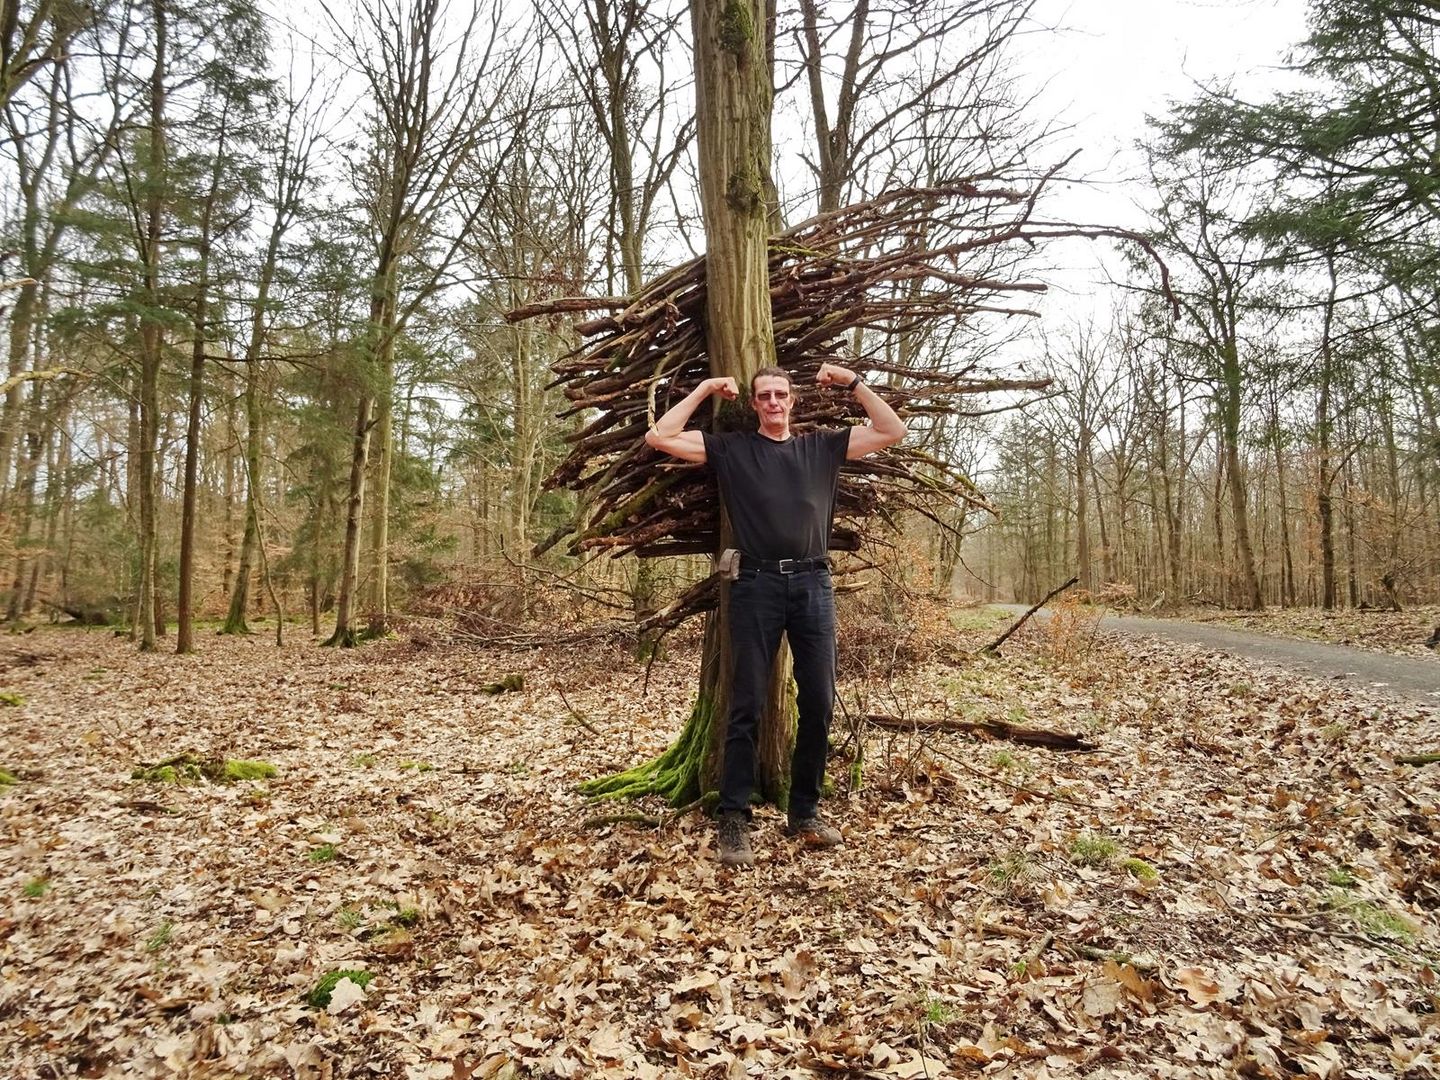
{"x":257,"y":264}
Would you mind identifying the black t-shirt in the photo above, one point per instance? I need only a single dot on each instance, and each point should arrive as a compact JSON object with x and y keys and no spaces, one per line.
{"x":780,"y":495}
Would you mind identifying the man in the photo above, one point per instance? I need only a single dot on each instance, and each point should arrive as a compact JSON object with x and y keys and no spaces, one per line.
{"x":779,"y":491}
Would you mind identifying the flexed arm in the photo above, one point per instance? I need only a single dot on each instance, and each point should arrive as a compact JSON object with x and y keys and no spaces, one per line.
{"x":668,"y":433}
{"x":885,"y":429}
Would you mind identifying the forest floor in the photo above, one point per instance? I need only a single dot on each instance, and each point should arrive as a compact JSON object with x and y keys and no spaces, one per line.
{"x":1240,"y":880}
{"x":1402,"y":633}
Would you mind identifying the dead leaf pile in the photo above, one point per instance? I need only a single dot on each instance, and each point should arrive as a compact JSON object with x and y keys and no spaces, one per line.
{"x":1241,"y":881}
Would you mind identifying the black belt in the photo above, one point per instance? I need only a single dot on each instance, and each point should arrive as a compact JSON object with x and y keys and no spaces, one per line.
{"x":784,"y":566}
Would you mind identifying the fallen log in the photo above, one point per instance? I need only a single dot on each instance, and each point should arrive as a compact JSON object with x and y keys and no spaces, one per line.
{"x":1000,"y":729}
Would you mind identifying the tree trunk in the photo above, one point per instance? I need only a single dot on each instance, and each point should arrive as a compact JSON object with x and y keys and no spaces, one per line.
{"x":1082,"y":468}
{"x":254,"y":437}
{"x":1326,"y":477}
{"x":185,"y":630}
{"x":151,"y":344}
{"x":378,"y":617}
{"x":22,"y":506}
{"x":1230,"y":428}
{"x":732,"y":105}
{"x":345,"y":634}
{"x":21,"y":328}
{"x":57,"y":455}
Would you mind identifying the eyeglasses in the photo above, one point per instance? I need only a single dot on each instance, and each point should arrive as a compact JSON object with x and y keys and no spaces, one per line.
{"x":773,"y":395}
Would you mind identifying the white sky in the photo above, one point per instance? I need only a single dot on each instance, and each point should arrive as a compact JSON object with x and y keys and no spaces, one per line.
{"x":1109,"y":63}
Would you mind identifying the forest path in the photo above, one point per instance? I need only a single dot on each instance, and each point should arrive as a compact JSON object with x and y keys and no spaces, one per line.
{"x":1402,"y":676}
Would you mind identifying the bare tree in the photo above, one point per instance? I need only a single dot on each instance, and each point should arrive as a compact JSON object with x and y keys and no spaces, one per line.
{"x":434,"y":106}
{"x":291,"y":153}
{"x":1198,"y":224}
{"x":878,"y":73}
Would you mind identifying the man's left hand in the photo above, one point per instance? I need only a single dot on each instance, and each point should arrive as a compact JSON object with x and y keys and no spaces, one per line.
{"x":834,"y":375}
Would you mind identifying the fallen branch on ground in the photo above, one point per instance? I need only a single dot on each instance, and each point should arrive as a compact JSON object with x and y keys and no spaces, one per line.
{"x":1056,"y":740}
{"x":993,"y":649}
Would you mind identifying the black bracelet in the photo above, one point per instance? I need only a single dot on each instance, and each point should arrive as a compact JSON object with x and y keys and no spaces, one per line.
{"x":854,"y":383}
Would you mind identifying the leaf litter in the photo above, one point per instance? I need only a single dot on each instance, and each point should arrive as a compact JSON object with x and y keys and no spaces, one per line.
{"x":972,"y":924}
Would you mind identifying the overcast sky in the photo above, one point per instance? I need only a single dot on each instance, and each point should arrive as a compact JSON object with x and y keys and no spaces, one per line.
{"x":1111,"y":62}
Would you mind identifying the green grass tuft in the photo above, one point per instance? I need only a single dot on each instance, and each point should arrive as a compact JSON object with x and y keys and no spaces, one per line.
{"x":9,"y":697}
{"x":406,"y":917}
{"x":364,"y":761}
{"x":322,"y":854}
{"x":35,"y":888}
{"x":319,"y":997}
{"x":7,"y":778}
{"x":1370,"y":918}
{"x":1088,"y":849}
{"x":1341,"y":878}
{"x":1011,"y":871}
{"x":418,"y":766}
{"x":937,"y":1011}
{"x":163,"y":935}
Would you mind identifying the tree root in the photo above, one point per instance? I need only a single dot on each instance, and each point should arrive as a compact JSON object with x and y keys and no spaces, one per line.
{"x":674,"y":775}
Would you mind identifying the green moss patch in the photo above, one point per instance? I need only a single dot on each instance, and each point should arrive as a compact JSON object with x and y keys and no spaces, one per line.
{"x":248,"y":770}
{"x":737,"y":29}
{"x":189,"y":767}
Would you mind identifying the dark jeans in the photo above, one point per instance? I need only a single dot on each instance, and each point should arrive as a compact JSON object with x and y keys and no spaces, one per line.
{"x":764,"y":604}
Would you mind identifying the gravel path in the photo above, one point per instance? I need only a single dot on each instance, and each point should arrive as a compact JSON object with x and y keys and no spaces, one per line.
{"x":1402,"y":676}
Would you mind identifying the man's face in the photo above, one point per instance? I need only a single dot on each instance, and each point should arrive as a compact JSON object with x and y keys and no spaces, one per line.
{"x":772,"y":400}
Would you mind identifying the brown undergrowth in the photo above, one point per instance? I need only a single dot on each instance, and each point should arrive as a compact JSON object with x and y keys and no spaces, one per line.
{"x":1242,"y":881}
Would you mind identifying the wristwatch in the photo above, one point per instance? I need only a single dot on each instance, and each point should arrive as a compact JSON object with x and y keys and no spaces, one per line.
{"x":854,"y":383}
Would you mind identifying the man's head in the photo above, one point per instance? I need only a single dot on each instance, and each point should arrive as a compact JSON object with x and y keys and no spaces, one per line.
{"x":772,"y":395}
{"x":771,"y":372}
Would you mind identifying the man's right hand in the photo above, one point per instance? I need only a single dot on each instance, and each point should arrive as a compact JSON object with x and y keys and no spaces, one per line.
{"x":724,"y":385}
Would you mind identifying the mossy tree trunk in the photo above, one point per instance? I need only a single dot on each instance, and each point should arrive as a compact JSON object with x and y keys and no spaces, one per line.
{"x":733,"y":94}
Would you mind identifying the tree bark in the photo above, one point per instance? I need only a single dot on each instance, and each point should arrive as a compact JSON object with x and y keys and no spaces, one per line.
{"x":1325,"y":477}
{"x":151,"y":342}
{"x":1230,"y":429}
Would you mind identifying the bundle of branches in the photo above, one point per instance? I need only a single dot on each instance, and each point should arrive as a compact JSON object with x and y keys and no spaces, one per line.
{"x":892,"y":266}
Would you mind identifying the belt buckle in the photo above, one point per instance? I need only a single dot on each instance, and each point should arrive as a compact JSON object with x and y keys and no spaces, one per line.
{"x":787,"y":569}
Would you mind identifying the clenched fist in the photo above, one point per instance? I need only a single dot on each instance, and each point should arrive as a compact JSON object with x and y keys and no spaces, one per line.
{"x":723,"y":385}
{"x":834,"y":375}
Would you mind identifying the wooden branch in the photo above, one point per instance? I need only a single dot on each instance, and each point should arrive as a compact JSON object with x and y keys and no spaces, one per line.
{"x":1416,"y":759}
{"x":1000,"y":729}
{"x":993,"y":649}
{"x":564,"y":304}
{"x":900,"y":262}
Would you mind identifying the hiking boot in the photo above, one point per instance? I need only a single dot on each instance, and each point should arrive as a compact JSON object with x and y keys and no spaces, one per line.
{"x":733,"y":832}
{"x":814,"y":832}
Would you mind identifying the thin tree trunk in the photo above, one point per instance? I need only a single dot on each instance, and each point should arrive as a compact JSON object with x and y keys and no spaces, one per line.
{"x":1230,"y":427}
{"x":151,"y":344}
{"x":1323,"y":429}
{"x":345,"y":634}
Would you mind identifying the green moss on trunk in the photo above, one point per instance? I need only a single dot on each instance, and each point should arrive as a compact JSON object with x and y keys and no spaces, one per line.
{"x":674,"y":775}
{"x":737,"y":30}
